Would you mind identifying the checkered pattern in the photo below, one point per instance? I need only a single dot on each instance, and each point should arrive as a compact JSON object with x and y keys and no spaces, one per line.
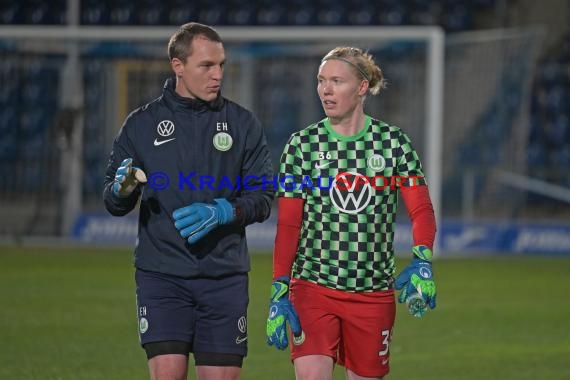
{"x":348,"y":222}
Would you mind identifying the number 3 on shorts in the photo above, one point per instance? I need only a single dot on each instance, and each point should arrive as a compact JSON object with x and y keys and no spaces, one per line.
{"x":385,"y":342}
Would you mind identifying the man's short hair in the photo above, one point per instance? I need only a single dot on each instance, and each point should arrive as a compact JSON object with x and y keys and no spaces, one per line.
{"x":180,"y":44}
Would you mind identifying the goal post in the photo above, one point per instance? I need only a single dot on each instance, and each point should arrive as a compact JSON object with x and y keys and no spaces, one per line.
{"x":263,"y":58}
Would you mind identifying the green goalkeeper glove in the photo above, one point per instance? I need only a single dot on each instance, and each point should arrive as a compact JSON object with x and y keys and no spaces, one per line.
{"x":418,"y":278}
{"x":281,"y":311}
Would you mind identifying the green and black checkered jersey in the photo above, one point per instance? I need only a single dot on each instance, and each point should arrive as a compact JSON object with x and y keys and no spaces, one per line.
{"x":349,"y":185}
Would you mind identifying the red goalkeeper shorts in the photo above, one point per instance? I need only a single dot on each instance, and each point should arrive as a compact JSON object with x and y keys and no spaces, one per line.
{"x":352,"y":328}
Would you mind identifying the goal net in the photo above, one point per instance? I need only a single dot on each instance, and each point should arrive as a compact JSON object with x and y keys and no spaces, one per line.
{"x":66,"y":92}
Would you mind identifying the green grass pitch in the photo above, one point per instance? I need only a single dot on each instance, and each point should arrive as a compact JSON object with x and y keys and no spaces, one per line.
{"x":70,"y":314}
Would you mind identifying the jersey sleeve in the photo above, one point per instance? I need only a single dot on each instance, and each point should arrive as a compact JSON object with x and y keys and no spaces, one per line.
{"x":291,"y":170}
{"x":420,"y":211}
{"x":409,"y":167}
{"x":289,"y":220}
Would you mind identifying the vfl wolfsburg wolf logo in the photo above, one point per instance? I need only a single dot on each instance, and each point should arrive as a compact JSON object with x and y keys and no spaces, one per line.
{"x":223,"y":141}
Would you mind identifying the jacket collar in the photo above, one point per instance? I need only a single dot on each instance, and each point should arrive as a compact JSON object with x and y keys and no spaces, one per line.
{"x":177,"y":102}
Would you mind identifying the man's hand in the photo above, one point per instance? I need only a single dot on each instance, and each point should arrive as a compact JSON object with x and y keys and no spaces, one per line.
{"x":418,"y":277}
{"x":127,"y":178}
{"x":198,"y":219}
{"x":282,"y":311}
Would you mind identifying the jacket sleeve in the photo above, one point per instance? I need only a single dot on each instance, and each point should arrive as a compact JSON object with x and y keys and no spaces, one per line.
{"x":254,"y":201}
{"x":122,"y":148}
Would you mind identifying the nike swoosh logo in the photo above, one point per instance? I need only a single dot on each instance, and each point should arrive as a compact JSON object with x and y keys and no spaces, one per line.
{"x":241,"y":340}
{"x":323,"y":165}
{"x":157,"y":143}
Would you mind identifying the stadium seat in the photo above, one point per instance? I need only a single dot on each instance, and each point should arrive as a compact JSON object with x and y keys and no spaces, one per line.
{"x":241,"y":13}
{"x":537,"y":155}
{"x":271,"y":14}
{"x":12,"y":12}
{"x":150,"y":12}
{"x":182,"y":11}
{"x":38,"y":13}
{"x":392,"y":13}
{"x":31,"y":179}
{"x":34,"y":147}
{"x":214,"y":14}
{"x":33,"y":121}
{"x":457,"y":17}
{"x":560,"y":158}
{"x":94,"y":12}
{"x":301,"y":14}
{"x":361,"y":15}
{"x":122,"y":12}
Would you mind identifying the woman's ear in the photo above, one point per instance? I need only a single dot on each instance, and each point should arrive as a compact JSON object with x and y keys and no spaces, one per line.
{"x":363,"y":89}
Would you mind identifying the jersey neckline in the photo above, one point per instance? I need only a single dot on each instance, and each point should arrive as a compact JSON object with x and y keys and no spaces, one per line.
{"x":338,"y":136}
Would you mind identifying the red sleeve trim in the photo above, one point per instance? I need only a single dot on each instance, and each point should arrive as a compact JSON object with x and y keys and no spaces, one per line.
{"x":290,"y":216}
{"x":420,"y":210}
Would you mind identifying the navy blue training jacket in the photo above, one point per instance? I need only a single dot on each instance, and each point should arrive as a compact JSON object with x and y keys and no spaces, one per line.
{"x":173,"y":137}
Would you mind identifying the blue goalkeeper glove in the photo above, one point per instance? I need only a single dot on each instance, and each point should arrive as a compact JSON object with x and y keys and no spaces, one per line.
{"x":198,"y":219}
{"x":127,"y":178}
{"x":282,"y":311}
{"x":418,"y":277}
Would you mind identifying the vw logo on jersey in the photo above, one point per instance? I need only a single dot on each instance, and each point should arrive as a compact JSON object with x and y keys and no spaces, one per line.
{"x":223,"y":141}
{"x":351,"y":192}
{"x":376,"y":162}
{"x":165,"y":128}
{"x":242,"y":324}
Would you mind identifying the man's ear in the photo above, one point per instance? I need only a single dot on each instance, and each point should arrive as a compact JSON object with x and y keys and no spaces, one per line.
{"x":177,"y":66}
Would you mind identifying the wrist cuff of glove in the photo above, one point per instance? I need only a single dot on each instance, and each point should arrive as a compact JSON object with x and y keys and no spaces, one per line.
{"x":423,"y":252}
{"x":226,"y":211}
{"x":280,"y":288}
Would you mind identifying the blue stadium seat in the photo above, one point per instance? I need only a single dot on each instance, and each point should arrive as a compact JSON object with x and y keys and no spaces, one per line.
{"x":33,"y":121}
{"x":122,"y":12}
{"x":241,"y":13}
{"x":33,"y":147}
{"x":12,"y":12}
{"x":32,"y":93}
{"x":361,"y":13}
{"x":550,"y":72}
{"x":9,"y":94}
{"x":425,"y":13}
{"x":537,"y":156}
{"x":94,"y":12}
{"x":299,"y":13}
{"x":392,"y":13}
{"x":31,"y":178}
{"x":8,"y":119}
{"x":556,"y":99}
{"x":560,"y":158}
{"x":38,"y":12}
{"x":8,"y":146}
{"x":457,"y":17}
{"x":331,"y":12}
{"x":214,"y":14}
{"x":151,"y":13}
{"x":182,"y":11}
{"x":271,"y":14}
